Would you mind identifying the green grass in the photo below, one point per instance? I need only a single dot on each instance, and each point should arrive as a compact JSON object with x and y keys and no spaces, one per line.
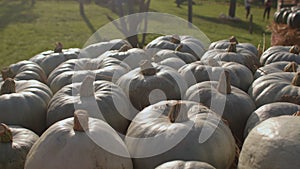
{"x":26,"y":31}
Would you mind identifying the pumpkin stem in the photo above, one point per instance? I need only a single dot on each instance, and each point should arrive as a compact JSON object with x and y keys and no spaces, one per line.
{"x":7,"y":73}
{"x":179,"y":47}
{"x":58,"y":47}
{"x":291,"y":67}
{"x":87,"y":87}
{"x":233,"y":39}
{"x":81,"y":121}
{"x":178,"y":112}
{"x":147,"y":68}
{"x":124,"y":48}
{"x":232,"y":47}
{"x":224,"y":85}
{"x":5,"y":134}
{"x":295,"y":49}
{"x":296,"y":79}
{"x":8,"y":87}
{"x":175,"y":39}
{"x":296,"y":113}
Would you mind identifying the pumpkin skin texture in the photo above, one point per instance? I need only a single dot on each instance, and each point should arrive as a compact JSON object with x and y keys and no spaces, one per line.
{"x":165,"y":54}
{"x":271,"y":88}
{"x":150,"y":84}
{"x":75,"y":70}
{"x":233,"y":54}
{"x":97,"y":49}
{"x":205,"y":70}
{"x":49,"y":60}
{"x":185,"y":165}
{"x":186,"y":44}
{"x":177,"y":136}
{"x":280,"y":53}
{"x":294,"y":19}
{"x":26,"y":107}
{"x":13,"y":153}
{"x":64,"y":146}
{"x":267,"y":111}
{"x":174,"y":63}
{"x":211,"y":95}
{"x":225,"y":43}
{"x":106,"y":97}
{"x":282,"y":66}
{"x":274,"y":143}
{"x":26,"y":70}
{"x":131,"y":57}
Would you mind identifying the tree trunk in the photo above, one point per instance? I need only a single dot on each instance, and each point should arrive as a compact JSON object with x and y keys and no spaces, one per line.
{"x":81,"y":7}
{"x":232,"y":7}
{"x":190,"y":11}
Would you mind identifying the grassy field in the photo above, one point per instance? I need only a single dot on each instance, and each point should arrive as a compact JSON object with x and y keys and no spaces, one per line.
{"x":26,"y":31}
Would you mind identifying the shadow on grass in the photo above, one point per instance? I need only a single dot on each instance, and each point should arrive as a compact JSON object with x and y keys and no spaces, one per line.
{"x":15,"y":12}
{"x":239,"y":24}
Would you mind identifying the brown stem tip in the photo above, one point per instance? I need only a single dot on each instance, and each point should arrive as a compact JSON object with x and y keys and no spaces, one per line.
{"x":81,"y":121}
{"x":175,"y":39}
{"x":295,"y":49}
{"x":5,"y":134}
{"x":8,"y":87}
{"x":296,"y":79}
{"x":224,"y":85}
{"x":147,"y":69}
{"x":291,"y":67}
{"x":232,"y":47}
{"x":87,"y":87}
{"x":7,"y":73}
{"x":178,"y":112}
{"x":58,"y":47}
{"x":124,"y":48}
{"x":233,"y":39}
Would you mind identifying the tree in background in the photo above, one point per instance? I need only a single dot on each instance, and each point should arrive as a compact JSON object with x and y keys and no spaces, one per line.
{"x":129,"y":27}
{"x":232,"y":7}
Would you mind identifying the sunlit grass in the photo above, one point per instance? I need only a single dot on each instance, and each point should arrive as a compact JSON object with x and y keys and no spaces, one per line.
{"x":26,"y":31}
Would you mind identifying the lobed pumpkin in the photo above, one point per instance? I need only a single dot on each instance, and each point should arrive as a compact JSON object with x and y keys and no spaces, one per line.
{"x":15,"y":143}
{"x":24,"y":103}
{"x":274,"y":143}
{"x":102,"y":99}
{"x":77,"y":143}
{"x":280,"y":53}
{"x":171,"y":130}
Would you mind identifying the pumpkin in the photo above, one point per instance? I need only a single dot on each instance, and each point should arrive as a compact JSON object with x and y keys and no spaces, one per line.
{"x":273,"y":87}
{"x":171,"y":130}
{"x":267,"y":111}
{"x":130,"y":56}
{"x":293,"y":19}
{"x":224,"y":44}
{"x":223,"y":98}
{"x":151,"y":83}
{"x":282,"y":66}
{"x":281,"y":16}
{"x":164,"y":54}
{"x":174,"y":63}
{"x":96,"y":49}
{"x":274,"y":143}
{"x":15,"y":143}
{"x":24,"y":70}
{"x":77,"y":143}
{"x":234,"y":54}
{"x":210,"y":70}
{"x":75,"y":70}
{"x":102,"y":99}
{"x":280,"y":53}
{"x":49,"y":60}
{"x":24,"y":103}
{"x":179,"y":164}
{"x":186,"y":44}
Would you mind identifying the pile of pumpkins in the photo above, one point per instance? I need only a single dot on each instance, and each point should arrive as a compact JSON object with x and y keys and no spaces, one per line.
{"x":172,"y":105}
{"x":289,"y":16}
